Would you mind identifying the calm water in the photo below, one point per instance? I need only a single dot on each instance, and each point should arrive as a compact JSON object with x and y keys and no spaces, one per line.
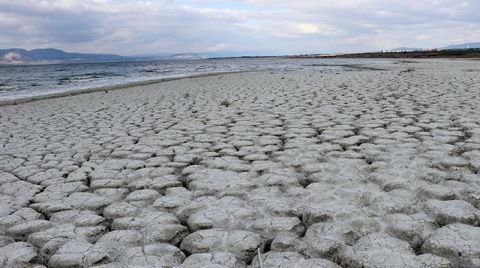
{"x":32,"y":80}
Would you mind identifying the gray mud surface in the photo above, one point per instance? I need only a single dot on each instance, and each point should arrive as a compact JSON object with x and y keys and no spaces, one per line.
{"x":373,"y":167}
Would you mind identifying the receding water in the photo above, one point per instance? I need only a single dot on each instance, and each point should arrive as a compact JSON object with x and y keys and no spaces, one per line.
{"x":18,"y":81}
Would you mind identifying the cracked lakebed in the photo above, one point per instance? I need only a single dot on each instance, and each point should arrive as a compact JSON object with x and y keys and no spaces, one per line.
{"x":372,"y":167}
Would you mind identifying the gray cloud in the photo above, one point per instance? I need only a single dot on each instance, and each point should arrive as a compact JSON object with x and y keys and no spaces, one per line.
{"x":280,"y":26}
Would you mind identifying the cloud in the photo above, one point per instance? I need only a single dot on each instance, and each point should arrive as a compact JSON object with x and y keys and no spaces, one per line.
{"x":217,"y":47}
{"x":310,"y":28}
{"x":279,"y":26}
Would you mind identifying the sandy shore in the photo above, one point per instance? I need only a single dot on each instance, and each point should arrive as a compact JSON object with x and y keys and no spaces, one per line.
{"x":365,"y":168}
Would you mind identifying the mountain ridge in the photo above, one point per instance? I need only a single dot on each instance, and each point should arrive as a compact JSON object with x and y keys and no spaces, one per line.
{"x":464,"y":46}
{"x":52,"y":55}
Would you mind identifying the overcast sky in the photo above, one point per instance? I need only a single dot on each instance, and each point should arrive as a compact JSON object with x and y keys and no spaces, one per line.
{"x":131,"y":27}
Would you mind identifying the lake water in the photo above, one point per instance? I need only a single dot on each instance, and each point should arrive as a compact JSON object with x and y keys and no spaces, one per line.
{"x":18,"y":81}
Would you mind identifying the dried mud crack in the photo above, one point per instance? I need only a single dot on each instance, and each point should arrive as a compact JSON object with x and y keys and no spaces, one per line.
{"x":377,"y":166}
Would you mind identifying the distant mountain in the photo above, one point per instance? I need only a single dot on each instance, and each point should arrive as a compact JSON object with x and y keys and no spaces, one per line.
{"x":458,"y":46}
{"x":234,"y":53}
{"x":464,"y":46}
{"x":400,"y":49}
{"x":202,"y":55}
{"x":51,"y":55}
{"x":187,"y":56}
{"x":152,"y":55}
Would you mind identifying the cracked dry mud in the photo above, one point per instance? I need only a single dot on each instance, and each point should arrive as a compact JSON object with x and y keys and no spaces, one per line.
{"x":363,"y":168}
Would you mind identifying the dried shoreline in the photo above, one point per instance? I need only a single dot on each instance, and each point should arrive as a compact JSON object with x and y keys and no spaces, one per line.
{"x":104,"y":88}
